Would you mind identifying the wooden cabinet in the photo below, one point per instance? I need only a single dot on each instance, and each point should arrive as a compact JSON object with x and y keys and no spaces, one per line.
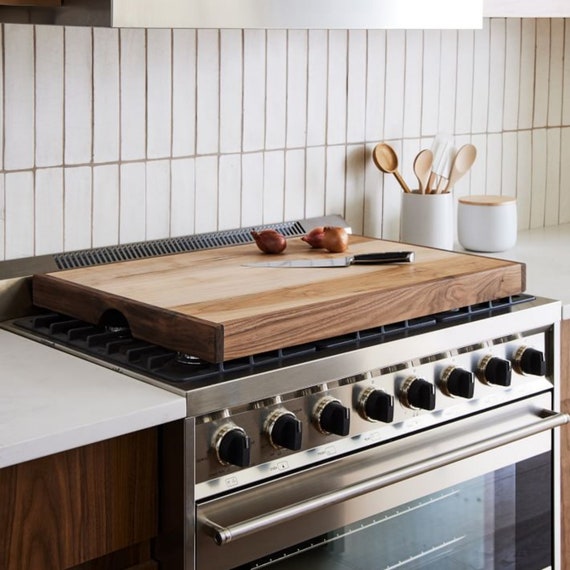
{"x":526,"y":8}
{"x":90,"y":508}
{"x":565,"y":442}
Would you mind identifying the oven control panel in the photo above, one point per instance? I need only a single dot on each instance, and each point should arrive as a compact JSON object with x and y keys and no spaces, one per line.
{"x":239,"y":446}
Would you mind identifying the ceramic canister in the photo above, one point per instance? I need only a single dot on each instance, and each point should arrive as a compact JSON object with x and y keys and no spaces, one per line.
{"x":487,"y":223}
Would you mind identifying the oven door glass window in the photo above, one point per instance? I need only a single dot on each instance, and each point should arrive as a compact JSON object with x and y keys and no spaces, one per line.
{"x":499,"y":520}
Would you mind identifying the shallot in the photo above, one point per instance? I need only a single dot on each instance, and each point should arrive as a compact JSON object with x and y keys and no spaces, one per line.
{"x":315,"y":237}
{"x":335,"y":239}
{"x":270,"y":241}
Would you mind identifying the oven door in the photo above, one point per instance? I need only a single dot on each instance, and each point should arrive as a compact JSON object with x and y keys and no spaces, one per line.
{"x":475,"y":493}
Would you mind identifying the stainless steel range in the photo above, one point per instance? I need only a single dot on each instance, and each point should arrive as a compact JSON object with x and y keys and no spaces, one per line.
{"x":427,"y":443}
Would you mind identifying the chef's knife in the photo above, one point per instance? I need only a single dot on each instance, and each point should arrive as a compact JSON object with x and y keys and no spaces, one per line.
{"x":358,"y":259}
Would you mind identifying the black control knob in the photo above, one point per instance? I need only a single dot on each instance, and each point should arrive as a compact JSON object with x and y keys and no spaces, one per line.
{"x":457,"y":381}
{"x":331,"y":416}
{"x":376,"y":405}
{"x":530,"y":361}
{"x":418,"y":393}
{"x":495,"y":370}
{"x":232,"y":446}
{"x":284,"y":430}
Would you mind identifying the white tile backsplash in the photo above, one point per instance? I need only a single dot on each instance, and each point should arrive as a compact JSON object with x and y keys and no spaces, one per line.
{"x":113,"y":136}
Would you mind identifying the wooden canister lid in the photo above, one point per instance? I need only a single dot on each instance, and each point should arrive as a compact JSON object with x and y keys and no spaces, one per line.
{"x":487,"y":200}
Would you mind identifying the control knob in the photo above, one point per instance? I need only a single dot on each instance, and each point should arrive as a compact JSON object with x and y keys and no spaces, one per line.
{"x":529,"y":361}
{"x":418,"y":393}
{"x":330,"y":416}
{"x":494,"y":370}
{"x":232,"y":445}
{"x":284,"y":430}
{"x":456,"y":381}
{"x":376,"y":405}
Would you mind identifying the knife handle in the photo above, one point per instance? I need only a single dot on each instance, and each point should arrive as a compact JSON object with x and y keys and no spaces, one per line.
{"x":383,"y":257}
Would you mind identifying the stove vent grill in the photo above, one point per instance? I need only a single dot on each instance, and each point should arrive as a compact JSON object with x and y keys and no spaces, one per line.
{"x":167,"y":246}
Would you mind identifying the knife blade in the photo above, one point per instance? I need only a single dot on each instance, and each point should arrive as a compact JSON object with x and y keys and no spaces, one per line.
{"x":379,"y":258}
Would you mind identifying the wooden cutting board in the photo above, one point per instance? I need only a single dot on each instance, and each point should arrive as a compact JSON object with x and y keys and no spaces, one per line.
{"x":208,"y":304}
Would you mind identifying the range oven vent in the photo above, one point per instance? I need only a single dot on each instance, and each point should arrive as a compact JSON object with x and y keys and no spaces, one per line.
{"x":130,"y":251}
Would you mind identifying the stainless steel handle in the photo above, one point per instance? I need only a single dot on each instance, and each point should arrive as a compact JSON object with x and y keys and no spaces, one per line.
{"x":223,"y":535}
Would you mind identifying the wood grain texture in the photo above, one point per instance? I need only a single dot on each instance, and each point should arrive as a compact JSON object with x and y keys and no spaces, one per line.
{"x":208,"y":304}
{"x":565,"y":441}
{"x":63,"y":510}
{"x":30,"y":2}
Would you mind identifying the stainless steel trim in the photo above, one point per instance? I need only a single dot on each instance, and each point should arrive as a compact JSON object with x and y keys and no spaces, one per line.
{"x":223,"y":535}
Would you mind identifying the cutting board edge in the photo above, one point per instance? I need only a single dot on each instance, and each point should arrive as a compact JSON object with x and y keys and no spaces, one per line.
{"x":83,"y":303}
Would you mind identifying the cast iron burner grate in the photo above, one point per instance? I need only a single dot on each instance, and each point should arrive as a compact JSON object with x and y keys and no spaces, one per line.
{"x":118,"y":347}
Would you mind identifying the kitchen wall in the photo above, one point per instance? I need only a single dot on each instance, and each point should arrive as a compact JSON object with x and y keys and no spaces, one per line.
{"x":114,"y":136}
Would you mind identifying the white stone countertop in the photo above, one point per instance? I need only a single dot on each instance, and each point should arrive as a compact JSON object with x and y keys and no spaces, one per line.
{"x":546,"y":253}
{"x":51,"y":401}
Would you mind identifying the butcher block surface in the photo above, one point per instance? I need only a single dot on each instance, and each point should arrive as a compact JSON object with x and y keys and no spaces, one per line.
{"x":208,"y":304}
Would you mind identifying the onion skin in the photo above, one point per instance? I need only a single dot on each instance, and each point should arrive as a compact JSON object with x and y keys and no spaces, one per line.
{"x":335,"y":239}
{"x":270,"y":241}
{"x":315,"y":237}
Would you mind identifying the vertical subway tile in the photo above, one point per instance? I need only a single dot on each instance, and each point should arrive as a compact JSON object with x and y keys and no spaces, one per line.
{"x":526,"y":87}
{"x":49,"y":208}
{"x":315,"y":183}
{"x":391,"y":200}
{"x":448,"y":74}
{"x":105,"y":205}
{"x":78,"y":95}
{"x":394,"y":101}
{"x":566,"y":78}
{"x":49,"y":96}
{"x":254,"y":51}
{"x":412,"y":83}
{"x":463,"y":187}
{"x":373,"y":196}
{"x":229,"y":191}
{"x":276,"y":97}
{"x":77,"y":214}
{"x":294,"y":202}
{"x":159,"y":93}
{"x":296,"y":88}
{"x":207,"y":92}
{"x":133,"y":94}
{"x":18,"y":98}
{"x":464,"y":81}
{"x":206,"y":194}
{"x":356,"y":97}
{"x":375,"y":85}
{"x":132,"y":207}
{"x":182,"y":193}
{"x":524,"y":178}
{"x":183,"y":92}
{"x":105,"y":95}
{"x":273,"y":186}
{"x":335,"y":179}
{"x":430,"y":91}
{"x":479,"y":169}
{"x":494,"y":163}
{"x":512,"y":73}
{"x":481,"y":78}
{"x":231,"y":66}
{"x":496,"y":75}
{"x":565,"y":177}
{"x":410,"y":148}
{"x":354,"y":194}
{"x":553,"y":188}
{"x":555,"y":84}
{"x":317,"y":87}
{"x":19,"y":213}
{"x":336,"y":93}
{"x":541,"y":72}
{"x":252,"y":188}
{"x":509,"y":165}
{"x":538,"y":189}
{"x":157,"y":199}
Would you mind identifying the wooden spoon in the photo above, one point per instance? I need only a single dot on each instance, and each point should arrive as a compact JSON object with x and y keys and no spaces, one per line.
{"x":462,"y":162}
{"x":422,"y":168}
{"x":386,"y":159}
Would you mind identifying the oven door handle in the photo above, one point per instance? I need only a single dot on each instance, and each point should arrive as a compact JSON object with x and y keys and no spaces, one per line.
{"x":223,"y":535}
